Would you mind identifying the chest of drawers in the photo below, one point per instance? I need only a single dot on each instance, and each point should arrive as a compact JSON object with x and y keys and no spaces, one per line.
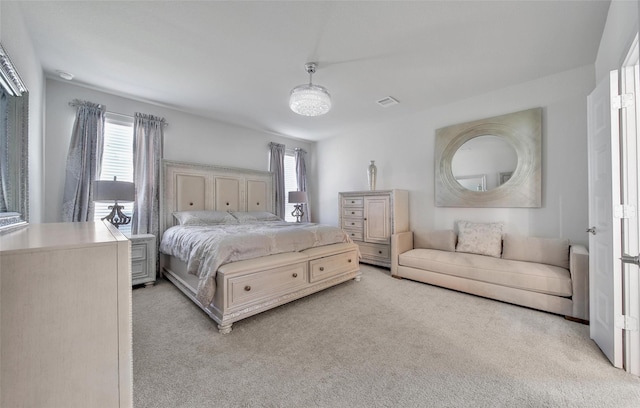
{"x":370,"y":217}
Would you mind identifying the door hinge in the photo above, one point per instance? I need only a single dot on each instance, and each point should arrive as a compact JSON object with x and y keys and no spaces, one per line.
{"x":626,"y":322}
{"x":624,"y":211}
{"x":622,"y":101}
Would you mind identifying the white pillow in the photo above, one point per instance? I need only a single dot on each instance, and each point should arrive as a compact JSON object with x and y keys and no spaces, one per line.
{"x":550,"y":251}
{"x":480,"y":238}
{"x":254,"y":216}
{"x":204,"y":217}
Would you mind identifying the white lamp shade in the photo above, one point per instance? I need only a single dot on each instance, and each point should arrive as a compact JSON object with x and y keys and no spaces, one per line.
{"x":297,"y":197}
{"x":110,"y":191}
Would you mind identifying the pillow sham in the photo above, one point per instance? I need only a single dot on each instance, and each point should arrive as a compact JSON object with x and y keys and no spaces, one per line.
{"x":204,"y":217}
{"x":480,"y":238}
{"x":550,"y":251}
{"x":444,"y":240}
{"x":254,"y":216}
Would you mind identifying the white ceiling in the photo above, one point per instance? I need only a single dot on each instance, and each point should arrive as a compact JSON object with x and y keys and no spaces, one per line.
{"x":236,"y":61}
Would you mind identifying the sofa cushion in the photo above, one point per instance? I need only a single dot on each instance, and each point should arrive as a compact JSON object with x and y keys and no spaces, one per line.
{"x":551,"y":251}
{"x":444,"y":240}
{"x":536,"y":277}
{"x":480,"y":238}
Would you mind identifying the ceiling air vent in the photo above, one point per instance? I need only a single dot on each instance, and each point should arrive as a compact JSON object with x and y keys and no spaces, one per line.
{"x":387,"y":101}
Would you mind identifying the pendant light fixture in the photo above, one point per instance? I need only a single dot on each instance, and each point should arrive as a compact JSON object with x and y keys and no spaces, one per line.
{"x":309,"y":99}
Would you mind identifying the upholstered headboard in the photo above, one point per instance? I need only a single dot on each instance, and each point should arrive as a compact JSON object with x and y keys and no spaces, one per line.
{"x":189,"y":186}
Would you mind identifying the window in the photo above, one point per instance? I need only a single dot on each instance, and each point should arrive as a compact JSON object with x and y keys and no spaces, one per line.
{"x":290,"y":184}
{"x":117,"y":161}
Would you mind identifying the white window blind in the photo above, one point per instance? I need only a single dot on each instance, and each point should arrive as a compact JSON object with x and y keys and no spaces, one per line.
{"x":290,"y":184}
{"x":117,"y":161}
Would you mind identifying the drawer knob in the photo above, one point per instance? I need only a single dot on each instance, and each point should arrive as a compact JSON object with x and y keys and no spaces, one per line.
{"x":321,"y":268}
{"x":353,"y":223}
{"x":352,"y":202}
{"x":379,"y":252}
{"x":247,"y":288}
{"x":295,"y":275}
{"x":353,"y":212}
{"x":190,"y":203}
{"x":365,"y":219}
{"x":349,"y":260}
{"x":258,"y":203}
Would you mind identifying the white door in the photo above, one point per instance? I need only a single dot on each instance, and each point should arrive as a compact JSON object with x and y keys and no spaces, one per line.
{"x":605,"y":282}
{"x":630,"y":79}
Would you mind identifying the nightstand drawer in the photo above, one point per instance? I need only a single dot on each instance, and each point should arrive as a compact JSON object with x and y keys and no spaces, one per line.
{"x":139,"y":269}
{"x":143,"y":259}
{"x":138,"y":252}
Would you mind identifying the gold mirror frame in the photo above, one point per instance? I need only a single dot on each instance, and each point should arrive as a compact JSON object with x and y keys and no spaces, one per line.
{"x":523,"y":130}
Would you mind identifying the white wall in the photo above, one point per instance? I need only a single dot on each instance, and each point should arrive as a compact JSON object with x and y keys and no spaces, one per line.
{"x":403,"y":151}
{"x":619,"y":32}
{"x":187,"y":138}
{"x":16,"y":41}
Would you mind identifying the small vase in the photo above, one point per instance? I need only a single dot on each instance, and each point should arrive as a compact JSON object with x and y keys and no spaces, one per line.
{"x":371,"y":172}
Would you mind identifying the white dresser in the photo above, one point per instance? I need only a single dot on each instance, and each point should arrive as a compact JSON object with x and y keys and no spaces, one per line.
{"x":143,"y":259}
{"x":370,"y":217}
{"x":65,"y":316}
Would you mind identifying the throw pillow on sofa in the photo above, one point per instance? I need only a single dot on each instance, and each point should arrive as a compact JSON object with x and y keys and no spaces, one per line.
{"x":444,"y":240}
{"x":480,"y":238}
{"x":550,"y":251}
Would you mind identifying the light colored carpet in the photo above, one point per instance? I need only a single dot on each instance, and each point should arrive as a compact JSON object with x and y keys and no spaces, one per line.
{"x":380,"y":342}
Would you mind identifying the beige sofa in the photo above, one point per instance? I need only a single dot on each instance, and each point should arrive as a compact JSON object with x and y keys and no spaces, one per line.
{"x":540,"y":273}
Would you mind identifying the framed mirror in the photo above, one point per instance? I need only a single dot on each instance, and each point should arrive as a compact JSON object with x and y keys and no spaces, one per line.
{"x":493,"y":162}
{"x":14,"y":118}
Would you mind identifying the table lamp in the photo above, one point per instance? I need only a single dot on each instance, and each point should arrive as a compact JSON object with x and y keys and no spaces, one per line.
{"x":297,"y":198}
{"x":116,"y":191}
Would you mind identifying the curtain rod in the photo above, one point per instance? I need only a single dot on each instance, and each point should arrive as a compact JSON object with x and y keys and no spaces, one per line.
{"x":74,"y":103}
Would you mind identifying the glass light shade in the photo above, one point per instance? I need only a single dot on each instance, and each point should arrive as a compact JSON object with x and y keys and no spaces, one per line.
{"x":310,"y":100}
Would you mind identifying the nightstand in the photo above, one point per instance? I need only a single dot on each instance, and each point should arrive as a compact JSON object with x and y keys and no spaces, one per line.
{"x":143,"y":259}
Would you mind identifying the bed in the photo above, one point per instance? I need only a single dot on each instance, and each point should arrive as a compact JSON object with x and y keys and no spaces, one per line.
{"x":223,"y":248}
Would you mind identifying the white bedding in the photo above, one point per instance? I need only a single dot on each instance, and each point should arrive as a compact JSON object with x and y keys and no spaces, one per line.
{"x":206,"y":247}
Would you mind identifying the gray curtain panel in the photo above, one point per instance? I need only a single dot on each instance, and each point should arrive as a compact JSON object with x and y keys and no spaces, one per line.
{"x":301,"y":174}
{"x":276,"y":165}
{"x":148,"y":136}
{"x":84,"y":161}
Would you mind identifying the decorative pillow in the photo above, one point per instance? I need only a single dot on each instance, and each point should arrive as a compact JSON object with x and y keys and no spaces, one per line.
{"x":550,"y":251}
{"x":480,"y":238}
{"x":254,"y":216}
{"x":444,"y":240}
{"x":204,"y":217}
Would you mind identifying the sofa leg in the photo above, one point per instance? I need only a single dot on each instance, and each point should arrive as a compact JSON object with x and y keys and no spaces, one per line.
{"x":396,"y":276}
{"x":575,"y":319}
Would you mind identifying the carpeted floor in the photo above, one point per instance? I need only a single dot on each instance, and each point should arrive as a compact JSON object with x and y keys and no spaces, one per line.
{"x":380,"y":342}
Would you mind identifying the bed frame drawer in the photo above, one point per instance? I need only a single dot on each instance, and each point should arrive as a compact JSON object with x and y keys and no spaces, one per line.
{"x":323,"y":268}
{"x":258,"y":286}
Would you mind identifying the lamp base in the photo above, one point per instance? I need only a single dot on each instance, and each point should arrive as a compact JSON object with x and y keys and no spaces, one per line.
{"x":297,"y":212}
{"x":116,"y":216}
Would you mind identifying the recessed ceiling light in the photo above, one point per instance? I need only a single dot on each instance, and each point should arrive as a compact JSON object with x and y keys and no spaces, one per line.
{"x":65,"y":75}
